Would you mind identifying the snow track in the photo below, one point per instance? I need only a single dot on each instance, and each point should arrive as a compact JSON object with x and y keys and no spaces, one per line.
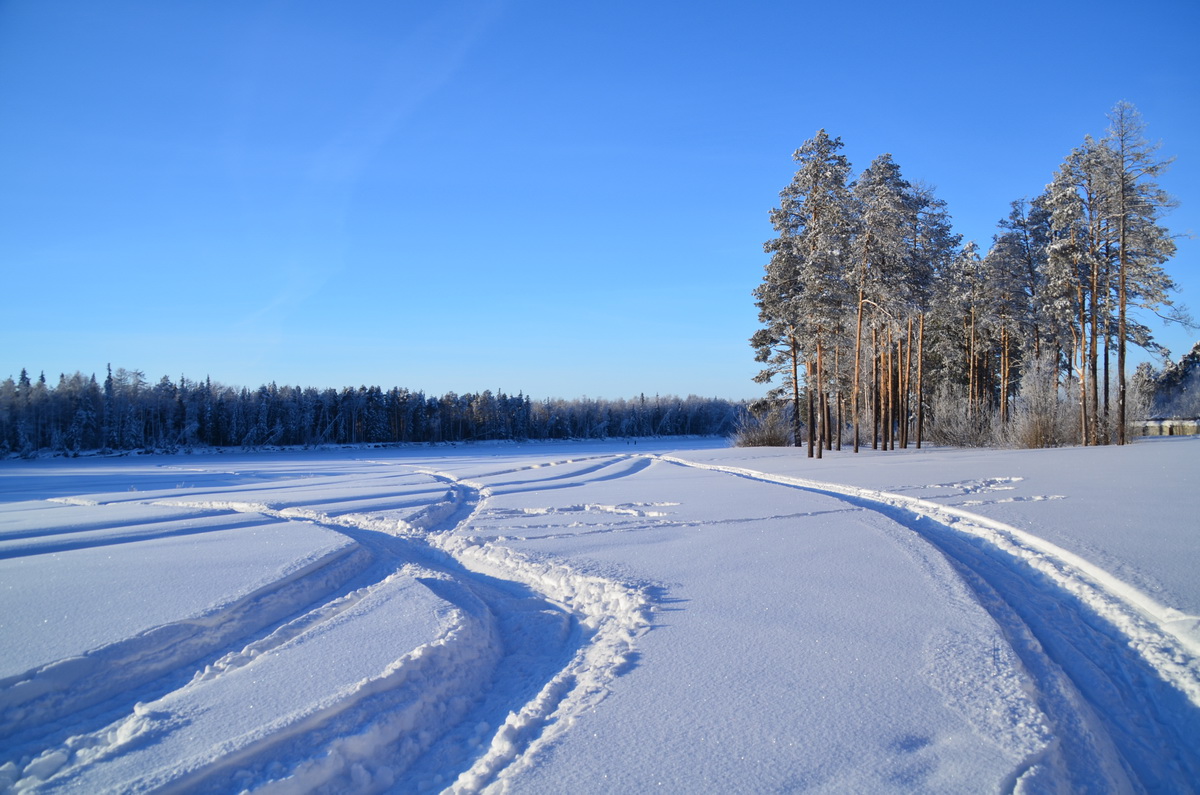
{"x":51,"y":692}
{"x":1120,"y":685}
{"x":483,"y":654}
{"x":327,"y":624}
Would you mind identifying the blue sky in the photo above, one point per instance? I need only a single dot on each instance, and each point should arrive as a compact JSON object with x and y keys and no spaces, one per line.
{"x":560,"y":198}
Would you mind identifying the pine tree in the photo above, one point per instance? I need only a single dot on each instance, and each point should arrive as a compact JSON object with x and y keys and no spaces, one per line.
{"x":1143,"y":244}
{"x":804,"y":287}
{"x":934,"y":246}
{"x":880,"y":248}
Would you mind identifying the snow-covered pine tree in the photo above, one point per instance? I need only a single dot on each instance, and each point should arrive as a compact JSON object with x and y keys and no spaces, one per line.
{"x":1136,"y":205}
{"x":804,"y":290}
{"x":1067,"y":273}
{"x":879,"y":252}
{"x":1016,"y":271}
{"x":934,"y":246}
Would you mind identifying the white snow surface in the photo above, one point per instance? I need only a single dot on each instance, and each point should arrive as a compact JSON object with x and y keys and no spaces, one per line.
{"x":602,"y":617}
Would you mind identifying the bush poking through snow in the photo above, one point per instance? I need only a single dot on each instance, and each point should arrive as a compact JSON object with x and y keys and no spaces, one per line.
{"x":951,"y":423}
{"x":762,"y":427}
{"x":1043,"y":415}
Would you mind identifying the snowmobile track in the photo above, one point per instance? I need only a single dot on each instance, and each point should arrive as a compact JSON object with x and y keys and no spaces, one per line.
{"x":538,"y":644}
{"x":1111,"y":676}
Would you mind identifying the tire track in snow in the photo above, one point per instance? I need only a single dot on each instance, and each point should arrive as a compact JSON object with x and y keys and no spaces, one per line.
{"x":608,"y":616}
{"x":1120,"y":686}
{"x":31,"y":703}
{"x":151,"y":673}
{"x":383,"y":747}
{"x":544,"y":680}
{"x":556,"y":638}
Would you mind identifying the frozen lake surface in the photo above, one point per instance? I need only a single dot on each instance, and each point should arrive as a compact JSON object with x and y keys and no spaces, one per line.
{"x":602,"y":617}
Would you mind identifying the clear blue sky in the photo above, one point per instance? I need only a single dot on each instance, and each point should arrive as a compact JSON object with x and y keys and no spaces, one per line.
{"x":563,"y":198}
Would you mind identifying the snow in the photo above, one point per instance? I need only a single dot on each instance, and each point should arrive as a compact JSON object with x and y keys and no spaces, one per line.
{"x":602,"y":617}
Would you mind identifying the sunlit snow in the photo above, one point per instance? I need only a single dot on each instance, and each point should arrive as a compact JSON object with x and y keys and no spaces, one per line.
{"x":602,"y":617}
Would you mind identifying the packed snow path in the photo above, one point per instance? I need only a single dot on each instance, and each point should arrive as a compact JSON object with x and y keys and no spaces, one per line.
{"x":1107,"y":662}
{"x":599,"y":619}
{"x":405,"y":653}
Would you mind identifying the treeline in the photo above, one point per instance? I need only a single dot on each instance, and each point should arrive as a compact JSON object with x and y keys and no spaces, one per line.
{"x":879,"y":323}
{"x":127,"y":412}
{"x":1175,"y":388}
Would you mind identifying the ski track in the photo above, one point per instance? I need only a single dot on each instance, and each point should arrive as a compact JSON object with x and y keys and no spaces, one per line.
{"x":1120,"y":685}
{"x":533,"y":644}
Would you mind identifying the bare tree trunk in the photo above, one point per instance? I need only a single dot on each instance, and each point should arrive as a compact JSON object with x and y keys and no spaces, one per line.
{"x":1106,"y":358}
{"x":795,"y":390}
{"x":1094,"y":398}
{"x":841,"y":405}
{"x":828,"y":423}
{"x":899,"y":401}
{"x":1122,"y":303}
{"x":906,"y":392}
{"x":1004,"y":375}
{"x":894,"y":392}
{"x":889,"y":390}
{"x":857,"y":359}
{"x":837,"y":397}
{"x":1079,"y":340}
{"x":972,"y":370}
{"x":808,"y":365}
{"x":884,"y":380}
{"x":875,"y":389}
{"x":920,"y":373}
{"x":823,"y":421}
{"x":821,"y":424}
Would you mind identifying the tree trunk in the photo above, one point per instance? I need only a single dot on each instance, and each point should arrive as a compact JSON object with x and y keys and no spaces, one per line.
{"x":857,"y":359}
{"x":841,"y":405}
{"x":1079,"y":340}
{"x":1122,"y":302}
{"x":1003,"y":375}
{"x":820,"y":402}
{"x":795,"y":390}
{"x":828,"y":422}
{"x":906,"y":392}
{"x":876,"y":406}
{"x":889,"y":391}
{"x":808,"y":367}
{"x":972,"y":378}
{"x":1094,"y":397}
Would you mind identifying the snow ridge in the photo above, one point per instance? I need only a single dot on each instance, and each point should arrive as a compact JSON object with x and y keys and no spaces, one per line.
{"x":609,"y":615}
{"x":43,"y":695}
{"x":526,"y":645}
{"x":1096,"y":646}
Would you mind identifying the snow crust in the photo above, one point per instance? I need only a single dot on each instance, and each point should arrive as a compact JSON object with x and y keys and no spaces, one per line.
{"x":602,"y":617}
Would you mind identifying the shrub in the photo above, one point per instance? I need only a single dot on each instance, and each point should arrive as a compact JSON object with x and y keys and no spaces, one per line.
{"x":763,"y":426}
{"x":1043,"y":414}
{"x":952,"y":423}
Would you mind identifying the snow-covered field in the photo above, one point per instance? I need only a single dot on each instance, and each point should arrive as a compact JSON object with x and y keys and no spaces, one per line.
{"x":603,"y":618}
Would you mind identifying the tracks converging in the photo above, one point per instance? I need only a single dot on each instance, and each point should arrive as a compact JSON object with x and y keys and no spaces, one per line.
{"x":520,"y":645}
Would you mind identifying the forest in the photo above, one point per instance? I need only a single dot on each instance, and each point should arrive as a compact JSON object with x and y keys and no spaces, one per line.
{"x":880,"y":326}
{"x":127,"y":412}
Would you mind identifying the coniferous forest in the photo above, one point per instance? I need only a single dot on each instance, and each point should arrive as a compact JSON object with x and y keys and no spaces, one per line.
{"x":880,"y":327}
{"x":124,"y":411}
